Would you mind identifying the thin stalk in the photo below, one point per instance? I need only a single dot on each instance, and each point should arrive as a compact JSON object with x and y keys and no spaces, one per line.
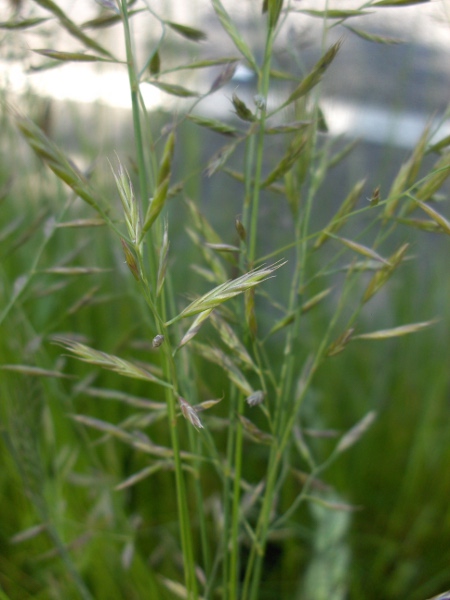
{"x":227,"y":581}
{"x":171,"y":394}
{"x":134,"y":89}
{"x":263,"y":90}
{"x":283,"y":407}
{"x":234,"y":561}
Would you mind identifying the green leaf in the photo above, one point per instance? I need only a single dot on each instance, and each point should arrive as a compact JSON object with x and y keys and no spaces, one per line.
{"x":234,"y":34}
{"x":108,"y":20}
{"x":190,"y":33}
{"x":288,"y":160}
{"x":437,"y":217}
{"x":162,"y":185}
{"x":224,"y":77}
{"x":314,"y":77}
{"x":155,"y":64}
{"x":23,"y":24}
{"x":108,"y":361}
{"x":333,"y":14}
{"x":213,"y":125}
{"x":356,"y":432}
{"x":273,"y":8}
{"x":172,"y":89}
{"x":384,"y":334}
{"x":360,"y":249}
{"x":371,"y":37}
{"x":203,"y":64}
{"x":343,"y":213}
{"x":71,"y":56}
{"x":242,"y":111}
{"x":72,"y":28}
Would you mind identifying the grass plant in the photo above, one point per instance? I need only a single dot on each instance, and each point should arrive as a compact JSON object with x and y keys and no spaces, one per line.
{"x":236,"y":425}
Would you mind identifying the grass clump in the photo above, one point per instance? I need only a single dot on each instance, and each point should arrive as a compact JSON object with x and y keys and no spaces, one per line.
{"x":230,"y":501}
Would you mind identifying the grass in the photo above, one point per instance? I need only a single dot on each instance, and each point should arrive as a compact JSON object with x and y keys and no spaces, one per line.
{"x":196,"y":405}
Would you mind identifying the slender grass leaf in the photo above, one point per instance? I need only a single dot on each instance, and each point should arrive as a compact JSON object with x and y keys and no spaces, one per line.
{"x":58,"y":161}
{"x":241,"y":109}
{"x":254,"y":432}
{"x":130,"y":259}
{"x":344,"y":211}
{"x":177,"y":589}
{"x":207,"y":404}
{"x":72,"y":28}
{"x":234,"y":174}
{"x":129,"y":399}
{"x":224,"y":77}
{"x":213,"y":125}
{"x":305,"y":307}
{"x":195,"y":327}
{"x":81,"y":223}
{"x":234,"y":34}
{"x":144,"y":474}
{"x":220,"y":158}
{"x":408,"y":173}
{"x":34,"y":371}
{"x":22,"y":24}
{"x":437,"y":217}
{"x":360,"y":249}
{"x":232,"y":341}
{"x":314,"y":77}
{"x":288,"y":128}
{"x":384,"y":334}
{"x":140,"y":442}
{"x":107,"y":20}
{"x":333,"y":13}
{"x":340,"y":343}
{"x":339,"y":156}
{"x":162,"y":185}
{"x":382,"y":276}
{"x":250,"y":316}
{"x":296,"y":147}
{"x":190,"y":33}
{"x":218,"y":357}
{"x":173,"y":89}
{"x":154,"y":66}
{"x":356,"y":432}
{"x":203,"y":64}
{"x":444,"y":143}
{"x":108,"y":361}
{"x":223,"y":247}
{"x":74,"y":270}
{"x":439,"y":174}
{"x":273,"y":8}
{"x":163,"y":258}
{"x":424,"y":224}
{"x":340,"y":506}
{"x":71,"y":56}
{"x":28,"y":534}
{"x":303,"y":449}
{"x":371,"y":37}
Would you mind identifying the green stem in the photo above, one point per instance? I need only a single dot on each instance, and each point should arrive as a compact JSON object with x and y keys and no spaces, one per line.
{"x":134,"y":88}
{"x":234,"y":562}
{"x":263,"y":90}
